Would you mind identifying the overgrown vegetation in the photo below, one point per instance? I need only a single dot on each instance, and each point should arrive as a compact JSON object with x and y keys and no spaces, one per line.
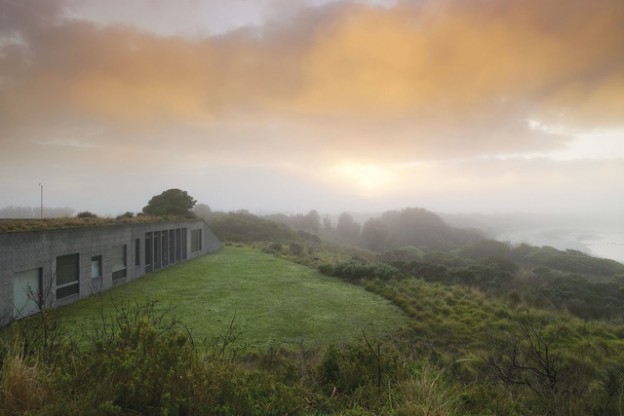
{"x":492,"y":329}
{"x":463,"y":353}
{"x":16,"y":225}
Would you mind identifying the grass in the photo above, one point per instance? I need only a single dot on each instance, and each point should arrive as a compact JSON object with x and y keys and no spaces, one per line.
{"x":272,"y":301}
{"x":28,"y":224}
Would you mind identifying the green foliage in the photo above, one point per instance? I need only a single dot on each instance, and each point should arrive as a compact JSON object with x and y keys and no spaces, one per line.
{"x":242,"y":227}
{"x":309,"y":223}
{"x":486,"y":249}
{"x":568,"y":261}
{"x":275,"y":301}
{"x":127,"y":214}
{"x":172,"y":202}
{"x":153,"y":361}
{"x":359,"y":365}
{"x":56,"y":223}
{"x":357,"y":269}
{"x":347,"y":229}
{"x":462,"y":351}
{"x":86,"y":214}
{"x":413,"y":227}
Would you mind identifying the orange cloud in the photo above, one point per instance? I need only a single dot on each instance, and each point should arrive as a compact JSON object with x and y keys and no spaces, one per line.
{"x":410,"y":81}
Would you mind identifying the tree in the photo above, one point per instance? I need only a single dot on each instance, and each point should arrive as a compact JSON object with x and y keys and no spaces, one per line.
{"x":347,"y":230}
{"x":173,"y":202}
{"x":203,"y":211}
{"x":374,"y":235}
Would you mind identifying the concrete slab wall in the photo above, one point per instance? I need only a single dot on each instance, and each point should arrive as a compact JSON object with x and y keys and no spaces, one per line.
{"x":20,"y":251}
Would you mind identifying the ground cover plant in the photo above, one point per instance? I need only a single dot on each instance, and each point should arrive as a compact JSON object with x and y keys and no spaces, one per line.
{"x":18,"y":225}
{"x":460,"y":350}
{"x":270,"y":300}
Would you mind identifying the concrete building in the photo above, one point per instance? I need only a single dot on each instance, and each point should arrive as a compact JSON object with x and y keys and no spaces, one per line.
{"x":59,"y":266}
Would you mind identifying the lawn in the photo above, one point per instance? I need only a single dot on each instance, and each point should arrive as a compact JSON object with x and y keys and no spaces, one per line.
{"x":272,"y":301}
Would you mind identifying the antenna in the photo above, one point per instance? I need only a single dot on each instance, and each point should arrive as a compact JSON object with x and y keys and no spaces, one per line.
{"x":41,"y":189}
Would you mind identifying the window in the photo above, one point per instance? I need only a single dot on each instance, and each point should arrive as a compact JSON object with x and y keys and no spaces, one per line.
{"x":148,"y":249}
{"x":118,"y":258}
{"x":27,"y":296}
{"x":165,"y":248}
{"x":178,"y":239}
{"x":157,"y":249}
{"x":172,"y":246}
{"x":183,"y":240}
{"x":137,"y":252}
{"x":96,"y":267}
{"x":196,"y":240}
{"x":67,"y":275}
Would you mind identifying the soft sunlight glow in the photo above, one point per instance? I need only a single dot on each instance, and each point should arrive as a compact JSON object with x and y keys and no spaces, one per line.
{"x":364,"y":179}
{"x":597,"y":145}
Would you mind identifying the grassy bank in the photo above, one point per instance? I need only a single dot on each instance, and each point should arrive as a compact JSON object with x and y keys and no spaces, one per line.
{"x":272,"y":301}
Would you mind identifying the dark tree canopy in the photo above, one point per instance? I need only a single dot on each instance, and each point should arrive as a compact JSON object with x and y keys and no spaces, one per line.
{"x":172,"y":202}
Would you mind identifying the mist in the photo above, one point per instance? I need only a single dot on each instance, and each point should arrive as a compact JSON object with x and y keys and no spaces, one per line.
{"x":337,"y":106}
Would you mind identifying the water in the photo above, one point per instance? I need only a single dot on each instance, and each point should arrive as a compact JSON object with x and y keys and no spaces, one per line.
{"x":604,"y":244}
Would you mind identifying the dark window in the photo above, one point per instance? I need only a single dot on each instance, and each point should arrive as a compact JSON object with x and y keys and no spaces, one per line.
{"x":172,"y":246}
{"x":196,"y":240}
{"x":137,"y":252}
{"x":148,"y":249}
{"x":67,"y":275}
{"x":157,"y":249}
{"x":183,"y":240}
{"x":165,"y":248}
{"x":178,"y":239}
{"x":118,"y":258}
{"x":96,"y":267}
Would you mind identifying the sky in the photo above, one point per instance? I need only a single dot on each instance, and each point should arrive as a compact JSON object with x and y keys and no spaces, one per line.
{"x":290,"y":105}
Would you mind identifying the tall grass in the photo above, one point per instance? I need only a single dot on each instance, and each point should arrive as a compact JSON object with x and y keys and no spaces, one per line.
{"x":24,"y":382}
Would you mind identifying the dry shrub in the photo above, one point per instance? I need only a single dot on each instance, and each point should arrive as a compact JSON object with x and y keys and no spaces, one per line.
{"x":23,"y":385}
{"x":427,"y":394}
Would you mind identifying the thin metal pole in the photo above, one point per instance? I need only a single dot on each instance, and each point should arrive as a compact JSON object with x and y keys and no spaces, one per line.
{"x":41,"y":189}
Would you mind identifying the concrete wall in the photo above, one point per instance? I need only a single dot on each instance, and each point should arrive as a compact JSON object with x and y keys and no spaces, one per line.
{"x":21,"y":251}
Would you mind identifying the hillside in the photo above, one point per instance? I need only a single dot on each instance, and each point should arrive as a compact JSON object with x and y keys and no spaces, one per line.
{"x":468,"y":340}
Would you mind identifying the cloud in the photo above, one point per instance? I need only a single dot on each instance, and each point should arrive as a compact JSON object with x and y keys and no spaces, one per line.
{"x":407,"y":81}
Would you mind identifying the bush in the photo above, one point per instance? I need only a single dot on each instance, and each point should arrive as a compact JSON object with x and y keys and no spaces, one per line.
{"x":356,"y":269}
{"x":86,"y":214}
{"x":126,"y":214}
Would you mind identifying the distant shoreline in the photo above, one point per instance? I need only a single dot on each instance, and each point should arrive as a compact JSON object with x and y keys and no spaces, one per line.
{"x":597,"y":243}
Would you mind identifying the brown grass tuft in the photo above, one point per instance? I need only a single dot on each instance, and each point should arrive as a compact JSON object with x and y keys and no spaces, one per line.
{"x":23,"y":386}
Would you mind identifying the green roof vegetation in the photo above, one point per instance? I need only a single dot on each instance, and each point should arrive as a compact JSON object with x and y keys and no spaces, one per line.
{"x":18,"y":225}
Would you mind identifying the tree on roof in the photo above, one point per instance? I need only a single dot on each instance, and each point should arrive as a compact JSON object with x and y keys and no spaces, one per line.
{"x":172,"y":202}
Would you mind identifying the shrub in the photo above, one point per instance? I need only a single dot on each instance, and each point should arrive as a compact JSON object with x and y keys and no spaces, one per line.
{"x":24,"y":385}
{"x":356,"y":269}
{"x":86,"y":214}
{"x":126,"y":214}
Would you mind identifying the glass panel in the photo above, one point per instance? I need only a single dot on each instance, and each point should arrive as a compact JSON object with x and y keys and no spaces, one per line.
{"x":165,"y":248}
{"x":26,"y":292}
{"x":196,"y":240}
{"x":157,"y":249}
{"x":96,"y":267}
{"x":118,"y":258}
{"x":66,"y":269}
{"x":137,"y":252}
{"x":172,"y":246}
{"x":67,"y":291}
{"x":148,"y":249}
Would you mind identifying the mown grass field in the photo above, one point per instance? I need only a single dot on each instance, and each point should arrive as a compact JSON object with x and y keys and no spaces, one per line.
{"x":272,"y":301}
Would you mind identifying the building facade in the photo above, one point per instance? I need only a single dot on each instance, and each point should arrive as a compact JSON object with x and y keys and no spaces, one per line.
{"x":59,"y":266}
